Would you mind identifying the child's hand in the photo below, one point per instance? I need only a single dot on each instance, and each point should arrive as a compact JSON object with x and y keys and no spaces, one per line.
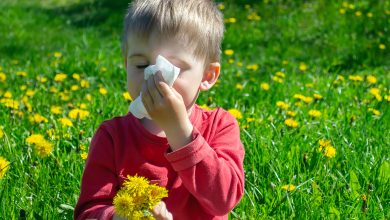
{"x":160,"y":212}
{"x":166,"y":107}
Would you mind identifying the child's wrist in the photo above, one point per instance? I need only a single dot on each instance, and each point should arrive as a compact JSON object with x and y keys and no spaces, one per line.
{"x":180,"y":136}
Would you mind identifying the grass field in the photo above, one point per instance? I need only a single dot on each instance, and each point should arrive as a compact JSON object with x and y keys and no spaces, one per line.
{"x":309,"y":82}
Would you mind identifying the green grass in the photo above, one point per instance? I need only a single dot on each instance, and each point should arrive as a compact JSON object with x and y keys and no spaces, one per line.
{"x":330,"y":44}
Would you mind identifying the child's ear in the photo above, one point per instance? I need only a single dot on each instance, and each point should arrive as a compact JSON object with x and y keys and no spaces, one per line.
{"x":210,"y":76}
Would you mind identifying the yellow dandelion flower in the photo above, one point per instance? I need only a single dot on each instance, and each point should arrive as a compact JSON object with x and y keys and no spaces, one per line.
{"x":83,"y":147}
{"x":3,"y":77}
{"x":42,"y":79}
{"x":289,"y":187}
{"x":84,"y":155}
{"x":358,"y":13}
{"x":387,"y":98}
{"x":277,"y":79}
{"x":374,"y":111}
{"x":282,"y":105}
{"x":229,"y":52}
{"x":53,"y":89}
{"x":303,"y":98}
{"x":4,"y":166}
{"x":35,"y":138}
{"x":103,"y":91}
{"x":323,"y":142}
{"x":137,"y":197}
{"x":280,"y":74}
{"x":239,"y":86}
{"x":1,"y":133}
{"x":309,"y":85}
{"x":76,"y":76}
{"x":78,"y":113}
{"x":231,"y":20}
{"x":57,"y":110}
{"x":30,"y":93}
{"x":317,"y":96}
{"x":355,"y":78}
{"x":291,"y":113}
{"x":74,"y":87}
{"x":37,"y":118}
{"x":7,"y":95}
{"x":264,"y":86}
{"x":57,"y":54}
{"x":23,"y":87}
{"x":88,"y":97}
{"x":43,"y":148}
{"x":371,"y":79}
{"x":21,"y":73}
{"x":253,"y":67}
{"x":342,"y":11}
{"x":329,"y":151}
{"x":84,"y":83}
{"x":382,"y":46}
{"x":65,"y":122}
{"x":204,"y":106}
{"x":123,"y":204}
{"x":235,"y":113}
{"x":254,"y":17}
{"x":83,"y":106}
{"x":302,"y":67}
{"x":127,"y":96}
{"x":221,"y":6}
{"x":291,"y":123}
{"x":376,"y":93}
{"x":370,"y":15}
{"x":315,"y":113}
{"x":249,"y":120}
{"x":60,"y":77}
{"x":10,"y":103}
{"x":51,"y":133}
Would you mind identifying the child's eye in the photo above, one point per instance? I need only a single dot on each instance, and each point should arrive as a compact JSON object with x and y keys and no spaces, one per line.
{"x":142,"y":66}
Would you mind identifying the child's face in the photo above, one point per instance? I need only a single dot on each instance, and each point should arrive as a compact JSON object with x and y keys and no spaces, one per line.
{"x":143,"y":52}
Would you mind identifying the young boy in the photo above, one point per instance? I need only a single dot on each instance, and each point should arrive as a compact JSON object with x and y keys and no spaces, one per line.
{"x":195,"y":154}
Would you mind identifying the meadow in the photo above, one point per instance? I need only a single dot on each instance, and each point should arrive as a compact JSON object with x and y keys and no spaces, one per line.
{"x":308,"y":81}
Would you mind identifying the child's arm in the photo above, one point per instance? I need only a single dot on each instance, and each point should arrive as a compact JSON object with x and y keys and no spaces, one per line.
{"x":213,"y":171}
{"x":99,"y":182}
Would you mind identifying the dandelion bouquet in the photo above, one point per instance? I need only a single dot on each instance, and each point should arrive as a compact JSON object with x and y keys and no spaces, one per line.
{"x":137,"y":197}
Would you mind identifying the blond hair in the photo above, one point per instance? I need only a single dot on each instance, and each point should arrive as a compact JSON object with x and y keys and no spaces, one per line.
{"x":197,"y":23}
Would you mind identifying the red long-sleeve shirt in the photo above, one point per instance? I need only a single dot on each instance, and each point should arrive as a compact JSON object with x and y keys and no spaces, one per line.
{"x":205,"y":178}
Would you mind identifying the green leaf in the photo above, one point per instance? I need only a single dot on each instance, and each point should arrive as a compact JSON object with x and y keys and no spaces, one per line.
{"x":317,"y":195}
{"x":334,"y":211}
{"x":384,"y":173}
{"x":354,"y":184}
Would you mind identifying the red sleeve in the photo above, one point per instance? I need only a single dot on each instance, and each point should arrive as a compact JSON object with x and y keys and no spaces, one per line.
{"x":98,"y":185}
{"x":213,"y":171}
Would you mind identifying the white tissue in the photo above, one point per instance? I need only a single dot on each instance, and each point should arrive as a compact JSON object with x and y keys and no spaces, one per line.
{"x":168,"y":71}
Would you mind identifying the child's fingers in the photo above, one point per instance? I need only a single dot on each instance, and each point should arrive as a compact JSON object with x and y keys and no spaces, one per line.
{"x":166,"y":91}
{"x":160,"y":212}
{"x":152,"y":88}
{"x":157,"y":79}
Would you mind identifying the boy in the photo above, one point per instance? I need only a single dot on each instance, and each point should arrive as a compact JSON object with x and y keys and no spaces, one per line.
{"x":196,"y":154}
